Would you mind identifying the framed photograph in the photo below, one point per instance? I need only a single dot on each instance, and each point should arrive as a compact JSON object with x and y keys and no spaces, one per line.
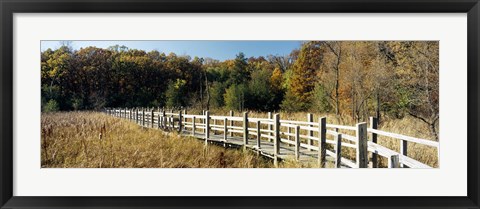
{"x":239,"y":104}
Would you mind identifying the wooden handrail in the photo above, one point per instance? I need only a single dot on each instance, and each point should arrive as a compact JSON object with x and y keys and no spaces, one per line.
{"x":273,"y":129}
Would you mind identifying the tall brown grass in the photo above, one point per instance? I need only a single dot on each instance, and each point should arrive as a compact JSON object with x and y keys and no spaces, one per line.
{"x":96,"y":140}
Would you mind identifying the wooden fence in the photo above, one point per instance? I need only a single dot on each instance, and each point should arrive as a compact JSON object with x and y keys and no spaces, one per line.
{"x":281,"y":139}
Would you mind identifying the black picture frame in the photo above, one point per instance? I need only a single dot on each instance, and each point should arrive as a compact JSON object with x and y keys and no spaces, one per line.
{"x":9,"y":7}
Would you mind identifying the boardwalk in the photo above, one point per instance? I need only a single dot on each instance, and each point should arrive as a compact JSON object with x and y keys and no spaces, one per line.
{"x":304,"y":141}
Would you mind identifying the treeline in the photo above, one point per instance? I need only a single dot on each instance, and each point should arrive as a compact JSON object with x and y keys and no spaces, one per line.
{"x":355,"y":78}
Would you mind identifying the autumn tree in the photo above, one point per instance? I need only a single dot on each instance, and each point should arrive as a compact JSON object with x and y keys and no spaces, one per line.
{"x":335,"y":48}
{"x":303,"y":78}
{"x":418,"y":76}
{"x":56,"y":67}
{"x":354,"y":78}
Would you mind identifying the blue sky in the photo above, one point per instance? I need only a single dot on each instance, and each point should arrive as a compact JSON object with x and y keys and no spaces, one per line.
{"x":220,"y":50}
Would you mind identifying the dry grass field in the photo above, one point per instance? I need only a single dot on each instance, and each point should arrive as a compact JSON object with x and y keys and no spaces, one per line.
{"x":96,"y":140}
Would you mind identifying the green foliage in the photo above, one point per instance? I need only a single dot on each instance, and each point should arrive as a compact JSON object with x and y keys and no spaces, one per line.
{"x":239,"y":73}
{"x":77,"y":103}
{"x":235,"y":97}
{"x":51,"y":106}
{"x":217,"y":90}
{"x":291,"y":103}
{"x":259,"y":91}
{"x":175,"y":93}
{"x":320,"y":99}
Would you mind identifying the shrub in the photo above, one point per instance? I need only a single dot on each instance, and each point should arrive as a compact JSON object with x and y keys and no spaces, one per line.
{"x":51,"y":106}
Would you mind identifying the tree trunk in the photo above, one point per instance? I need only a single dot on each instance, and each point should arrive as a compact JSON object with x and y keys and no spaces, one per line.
{"x":377,"y":110}
{"x":207,"y":90}
{"x":337,"y":103}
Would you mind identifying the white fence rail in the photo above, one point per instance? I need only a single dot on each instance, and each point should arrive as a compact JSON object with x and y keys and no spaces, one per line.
{"x":309,"y":135}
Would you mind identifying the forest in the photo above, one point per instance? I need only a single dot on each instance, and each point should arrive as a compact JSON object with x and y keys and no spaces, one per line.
{"x":354,"y":79}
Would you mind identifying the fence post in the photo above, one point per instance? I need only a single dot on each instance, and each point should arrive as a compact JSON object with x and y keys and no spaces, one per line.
{"x":158,"y":119}
{"x":231,"y":122}
{"x":322,"y":139}
{"x":180,"y":119}
{"x":245,"y":129}
{"x":259,"y":135}
{"x":403,"y":149}
{"x":193,"y":126}
{"x":203,"y":120}
{"x":310,"y":132}
{"x":136,"y":115}
{"x":393,"y":161}
{"x":289,"y":132}
{"x":276,"y":141}
{"x":270,"y":127}
{"x":160,"y":116}
{"x":338,"y":150}
{"x":143,"y":117}
{"x":297,"y":143}
{"x":215,"y":124}
{"x":185,"y":119}
{"x":152,"y":117}
{"x":164,"y":117}
{"x":362,"y":151}
{"x":207,"y":127}
{"x":225,"y":129}
{"x":373,"y":136}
